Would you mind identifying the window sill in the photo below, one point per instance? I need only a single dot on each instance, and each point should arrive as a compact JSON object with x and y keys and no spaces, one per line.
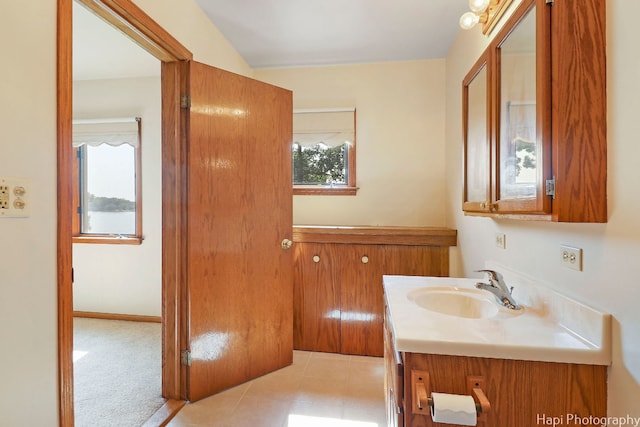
{"x":108,"y":240}
{"x":301,"y":190}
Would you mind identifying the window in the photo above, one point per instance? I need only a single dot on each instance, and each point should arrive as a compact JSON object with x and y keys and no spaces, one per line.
{"x":324,"y":151}
{"x":107,"y":197}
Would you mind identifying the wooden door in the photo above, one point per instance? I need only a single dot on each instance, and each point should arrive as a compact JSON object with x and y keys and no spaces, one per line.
{"x":240,"y":292}
{"x":316,"y":314}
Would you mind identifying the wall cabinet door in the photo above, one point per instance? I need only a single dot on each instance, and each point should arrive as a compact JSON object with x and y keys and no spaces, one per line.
{"x":477,"y":137}
{"x":521,"y":113}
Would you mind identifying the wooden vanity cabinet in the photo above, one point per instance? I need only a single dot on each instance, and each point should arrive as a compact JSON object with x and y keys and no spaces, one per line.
{"x":338,"y":295}
{"x":393,"y":380}
{"x":522,"y":393}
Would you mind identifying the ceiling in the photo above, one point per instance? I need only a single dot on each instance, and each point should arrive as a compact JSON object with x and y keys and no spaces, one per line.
{"x":284,"y":33}
{"x":287,"y":33}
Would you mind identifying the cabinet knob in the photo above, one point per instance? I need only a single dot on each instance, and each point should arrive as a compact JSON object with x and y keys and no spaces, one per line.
{"x":286,"y":244}
{"x":316,"y":258}
{"x":365,"y":259}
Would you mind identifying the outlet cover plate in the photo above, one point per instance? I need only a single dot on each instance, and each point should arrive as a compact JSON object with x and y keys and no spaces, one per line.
{"x":15,"y":195}
{"x":571,"y":257}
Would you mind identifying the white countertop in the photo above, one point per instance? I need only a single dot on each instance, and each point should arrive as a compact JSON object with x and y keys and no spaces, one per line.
{"x":551,"y":327}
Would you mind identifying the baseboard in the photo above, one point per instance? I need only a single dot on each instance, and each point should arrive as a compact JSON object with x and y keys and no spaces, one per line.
{"x":165,"y":414}
{"x":116,"y":316}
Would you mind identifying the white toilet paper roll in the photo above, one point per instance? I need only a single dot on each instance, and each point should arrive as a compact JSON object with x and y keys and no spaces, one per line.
{"x":453,"y":409}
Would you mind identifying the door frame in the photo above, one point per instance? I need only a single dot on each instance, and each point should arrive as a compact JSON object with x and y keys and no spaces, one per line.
{"x":131,"y":20}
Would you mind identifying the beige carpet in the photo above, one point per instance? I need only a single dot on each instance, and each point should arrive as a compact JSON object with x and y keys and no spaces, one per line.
{"x":117,"y":372}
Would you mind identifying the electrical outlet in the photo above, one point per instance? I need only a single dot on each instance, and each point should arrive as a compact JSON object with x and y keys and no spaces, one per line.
{"x":15,"y":197}
{"x":4,"y":196}
{"x":571,"y":257}
{"x":501,"y":240}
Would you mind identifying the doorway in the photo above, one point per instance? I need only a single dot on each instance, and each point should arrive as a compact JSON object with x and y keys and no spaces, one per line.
{"x":237,"y":226}
{"x":117,"y":296}
{"x":128,"y":18}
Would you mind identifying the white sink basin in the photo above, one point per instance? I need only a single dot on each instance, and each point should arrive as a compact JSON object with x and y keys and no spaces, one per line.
{"x":446,"y":315}
{"x":453,"y":301}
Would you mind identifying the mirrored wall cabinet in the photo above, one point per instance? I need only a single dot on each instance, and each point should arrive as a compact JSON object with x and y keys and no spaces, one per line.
{"x":534,"y":116}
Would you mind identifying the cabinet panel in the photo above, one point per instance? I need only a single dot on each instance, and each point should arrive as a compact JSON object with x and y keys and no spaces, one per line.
{"x":579,"y":129}
{"x":519,"y":391}
{"x":316,"y":303}
{"x":393,"y":379}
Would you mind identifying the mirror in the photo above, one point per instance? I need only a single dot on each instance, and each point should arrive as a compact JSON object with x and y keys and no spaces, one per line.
{"x":519,"y":145}
{"x":476,"y":136}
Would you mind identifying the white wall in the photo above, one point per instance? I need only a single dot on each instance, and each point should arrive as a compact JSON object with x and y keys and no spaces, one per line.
{"x":611,"y":251}
{"x":125,"y":279}
{"x":188,"y":24}
{"x":28,"y":320}
{"x":28,"y":275}
{"x":399,"y":143}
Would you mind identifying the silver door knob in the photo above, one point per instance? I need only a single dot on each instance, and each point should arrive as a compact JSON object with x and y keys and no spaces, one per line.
{"x":364,"y":259}
{"x":286,"y":244}
{"x":316,"y":258}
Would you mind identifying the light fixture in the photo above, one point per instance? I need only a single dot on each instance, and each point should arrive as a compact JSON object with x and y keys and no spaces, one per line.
{"x":479,"y":6}
{"x":486,"y":12}
{"x":479,"y":13}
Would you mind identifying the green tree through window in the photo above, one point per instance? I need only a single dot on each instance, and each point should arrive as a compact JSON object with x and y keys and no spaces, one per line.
{"x":319,"y":164}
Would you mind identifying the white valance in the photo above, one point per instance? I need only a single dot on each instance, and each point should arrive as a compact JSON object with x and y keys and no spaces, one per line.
{"x":114,"y":132}
{"x":332,"y":127}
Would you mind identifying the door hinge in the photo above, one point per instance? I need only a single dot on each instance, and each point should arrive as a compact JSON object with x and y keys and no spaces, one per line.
{"x":185,"y":358}
{"x":550,"y":186}
{"x":185,"y":101}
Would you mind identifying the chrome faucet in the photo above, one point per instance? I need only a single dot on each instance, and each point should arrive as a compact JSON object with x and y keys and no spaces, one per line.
{"x":499,"y":289}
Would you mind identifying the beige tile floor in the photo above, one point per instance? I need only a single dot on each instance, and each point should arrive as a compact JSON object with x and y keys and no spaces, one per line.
{"x":317,"y":390}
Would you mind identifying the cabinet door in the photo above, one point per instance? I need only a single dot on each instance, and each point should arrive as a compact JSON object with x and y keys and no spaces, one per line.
{"x":477,"y":137}
{"x":416,"y":260}
{"x":362,"y":299}
{"x":316,"y":317}
{"x":523,"y":109}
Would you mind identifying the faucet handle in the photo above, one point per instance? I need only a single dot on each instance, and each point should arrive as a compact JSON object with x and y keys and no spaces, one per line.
{"x":493,"y":275}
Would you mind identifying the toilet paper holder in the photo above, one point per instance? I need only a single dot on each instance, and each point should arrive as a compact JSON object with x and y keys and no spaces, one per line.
{"x":422,"y":401}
